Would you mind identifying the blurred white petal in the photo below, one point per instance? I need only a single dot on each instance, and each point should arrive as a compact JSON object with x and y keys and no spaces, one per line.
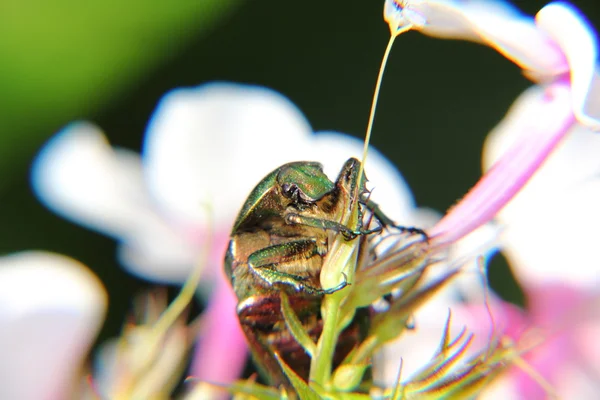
{"x":205,"y":146}
{"x":557,"y":241}
{"x":157,"y":253}
{"x":213,"y":143}
{"x":78,"y":176}
{"x":499,"y":389}
{"x":51,"y":308}
{"x":556,"y":212}
{"x":495,"y":23}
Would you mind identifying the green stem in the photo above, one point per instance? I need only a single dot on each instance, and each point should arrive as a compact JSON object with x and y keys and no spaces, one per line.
{"x":320,"y":372}
{"x":321,"y":365}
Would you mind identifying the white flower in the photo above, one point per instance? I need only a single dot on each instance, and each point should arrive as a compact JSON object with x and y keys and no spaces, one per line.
{"x":206,"y":145}
{"x":51,"y":308}
{"x":558,"y":45}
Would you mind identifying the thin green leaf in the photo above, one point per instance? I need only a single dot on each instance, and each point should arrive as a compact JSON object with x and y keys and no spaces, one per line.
{"x":252,"y":389}
{"x":303,"y":391}
{"x":353,"y":396}
{"x":398,"y":393}
{"x":295,"y":326}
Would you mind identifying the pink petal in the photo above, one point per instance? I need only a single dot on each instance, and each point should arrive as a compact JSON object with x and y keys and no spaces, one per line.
{"x":557,"y":209}
{"x":221,"y":351}
{"x":576,"y":38}
{"x":541,"y":125}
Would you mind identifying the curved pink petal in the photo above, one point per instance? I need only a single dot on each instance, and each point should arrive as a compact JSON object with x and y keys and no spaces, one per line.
{"x":577,"y":40}
{"x":539,"y":127}
{"x":51,"y":308}
{"x":557,"y":209}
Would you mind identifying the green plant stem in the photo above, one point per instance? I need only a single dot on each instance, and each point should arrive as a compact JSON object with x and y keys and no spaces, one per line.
{"x":320,"y":372}
{"x":321,"y":365}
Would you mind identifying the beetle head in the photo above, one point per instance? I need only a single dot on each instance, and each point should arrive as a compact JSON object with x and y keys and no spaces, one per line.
{"x":348,"y":181}
{"x":303,"y":182}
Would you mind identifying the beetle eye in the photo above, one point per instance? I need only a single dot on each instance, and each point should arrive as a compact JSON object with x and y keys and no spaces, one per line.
{"x":289,"y":190}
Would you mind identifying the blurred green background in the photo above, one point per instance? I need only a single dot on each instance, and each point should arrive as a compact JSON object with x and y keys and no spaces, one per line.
{"x":111,"y":61}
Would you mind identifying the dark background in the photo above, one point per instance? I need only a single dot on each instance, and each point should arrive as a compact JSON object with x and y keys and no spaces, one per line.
{"x":439,"y":99}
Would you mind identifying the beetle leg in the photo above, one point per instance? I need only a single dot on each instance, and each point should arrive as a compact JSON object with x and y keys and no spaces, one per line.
{"x":386,"y":221}
{"x":265,"y":263}
{"x":349,"y":234}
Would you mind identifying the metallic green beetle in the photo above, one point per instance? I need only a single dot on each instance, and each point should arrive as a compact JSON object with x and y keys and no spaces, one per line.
{"x":278,"y":242}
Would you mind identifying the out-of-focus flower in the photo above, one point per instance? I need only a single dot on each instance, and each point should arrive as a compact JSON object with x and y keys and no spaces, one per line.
{"x":205,"y":145}
{"x":51,"y":308}
{"x":557,"y":49}
{"x":549,"y":239}
{"x":149,"y":358}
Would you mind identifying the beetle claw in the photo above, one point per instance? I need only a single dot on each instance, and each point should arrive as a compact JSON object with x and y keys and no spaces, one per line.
{"x":340,"y":286}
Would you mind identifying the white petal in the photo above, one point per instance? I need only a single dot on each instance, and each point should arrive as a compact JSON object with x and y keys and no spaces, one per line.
{"x":51,"y":308}
{"x":577,"y":41}
{"x":500,"y":388}
{"x":552,"y":222}
{"x":558,"y":240}
{"x":82,"y":178}
{"x":78,"y":176}
{"x":496,"y":24}
{"x":158,"y":253}
{"x":390,"y":190}
{"x":212,"y":144}
{"x":592,"y":102}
